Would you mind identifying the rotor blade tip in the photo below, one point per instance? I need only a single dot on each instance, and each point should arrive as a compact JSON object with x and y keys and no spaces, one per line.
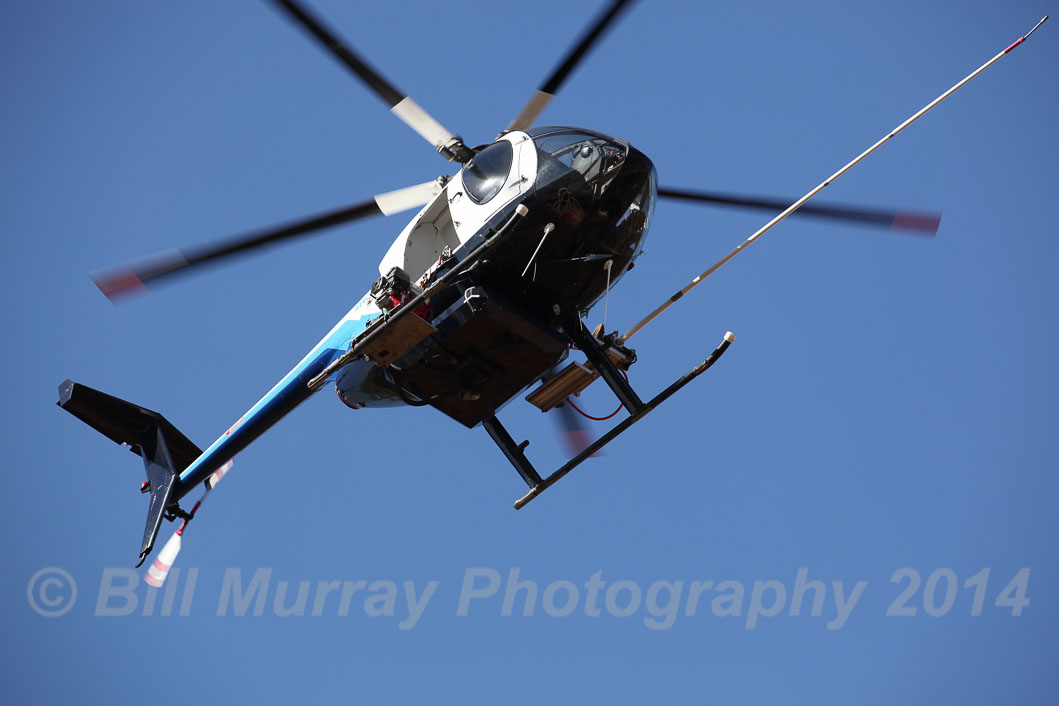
{"x":923,"y":223}
{"x":576,"y":441}
{"x":575,"y":437}
{"x":119,"y":284}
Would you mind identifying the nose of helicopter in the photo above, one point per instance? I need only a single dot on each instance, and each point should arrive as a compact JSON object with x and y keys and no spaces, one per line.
{"x":590,"y":203}
{"x":586,"y":177}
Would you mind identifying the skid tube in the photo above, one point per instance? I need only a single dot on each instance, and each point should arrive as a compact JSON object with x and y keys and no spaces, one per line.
{"x":646,"y":408}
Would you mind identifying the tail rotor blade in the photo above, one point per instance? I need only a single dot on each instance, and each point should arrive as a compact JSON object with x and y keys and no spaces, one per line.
{"x":159,"y":569}
{"x":916,"y":222}
{"x":543,"y":95}
{"x":136,"y":277}
{"x":400,"y":105}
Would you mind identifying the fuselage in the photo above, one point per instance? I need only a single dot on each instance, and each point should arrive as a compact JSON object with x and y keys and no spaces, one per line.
{"x":498,"y":326}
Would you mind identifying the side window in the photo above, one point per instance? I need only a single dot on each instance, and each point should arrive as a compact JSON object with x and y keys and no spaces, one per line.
{"x":485,"y":175}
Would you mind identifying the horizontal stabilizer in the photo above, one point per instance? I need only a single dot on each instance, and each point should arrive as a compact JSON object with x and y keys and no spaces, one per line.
{"x":165,"y":451}
{"x":124,"y":422}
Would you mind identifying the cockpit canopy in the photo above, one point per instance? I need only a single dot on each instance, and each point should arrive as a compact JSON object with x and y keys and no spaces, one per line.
{"x":595,"y":156}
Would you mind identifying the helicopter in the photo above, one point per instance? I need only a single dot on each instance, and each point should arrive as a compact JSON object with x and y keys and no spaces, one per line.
{"x":481,"y":296}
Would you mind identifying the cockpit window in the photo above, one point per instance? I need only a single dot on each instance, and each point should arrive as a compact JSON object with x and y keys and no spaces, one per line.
{"x":484,"y":176}
{"x":596,"y":157}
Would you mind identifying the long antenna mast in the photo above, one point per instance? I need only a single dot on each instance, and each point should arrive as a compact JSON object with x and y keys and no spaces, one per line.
{"x":827,"y":182}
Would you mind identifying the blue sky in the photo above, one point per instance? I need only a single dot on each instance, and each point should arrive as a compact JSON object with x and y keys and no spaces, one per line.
{"x":885,"y":419}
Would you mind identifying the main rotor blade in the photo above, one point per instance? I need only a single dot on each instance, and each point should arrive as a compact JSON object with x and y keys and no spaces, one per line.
{"x":572,"y":432}
{"x":448,"y":144}
{"x":919,"y":222}
{"x":134,"y":278}
{"x":543,"y":96}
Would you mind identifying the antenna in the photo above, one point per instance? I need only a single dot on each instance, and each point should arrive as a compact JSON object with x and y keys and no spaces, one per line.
{"x":827,"y":182}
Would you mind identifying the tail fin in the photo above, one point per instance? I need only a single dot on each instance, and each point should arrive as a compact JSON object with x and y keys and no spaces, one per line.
{"x":165,"y":451}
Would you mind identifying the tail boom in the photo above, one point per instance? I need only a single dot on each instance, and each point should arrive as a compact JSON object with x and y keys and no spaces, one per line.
{"x":174,"y":465}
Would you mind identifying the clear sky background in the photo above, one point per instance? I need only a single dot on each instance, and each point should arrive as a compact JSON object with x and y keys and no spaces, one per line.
{"x":889,"y":404}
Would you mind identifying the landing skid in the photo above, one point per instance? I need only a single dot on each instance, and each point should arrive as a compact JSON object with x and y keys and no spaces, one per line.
{"x":621,"y":388}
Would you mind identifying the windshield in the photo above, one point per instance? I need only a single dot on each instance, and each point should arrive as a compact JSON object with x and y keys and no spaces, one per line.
{"x":485,"y":175}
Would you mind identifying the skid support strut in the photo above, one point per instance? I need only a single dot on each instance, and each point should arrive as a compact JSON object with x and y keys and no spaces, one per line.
{"x":613,"y":376}
{"x":514,"y":452}
{"x":643,"y":410}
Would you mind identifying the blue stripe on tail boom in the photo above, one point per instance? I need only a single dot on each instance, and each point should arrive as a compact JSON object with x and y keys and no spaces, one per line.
{"x":287,"y":394}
